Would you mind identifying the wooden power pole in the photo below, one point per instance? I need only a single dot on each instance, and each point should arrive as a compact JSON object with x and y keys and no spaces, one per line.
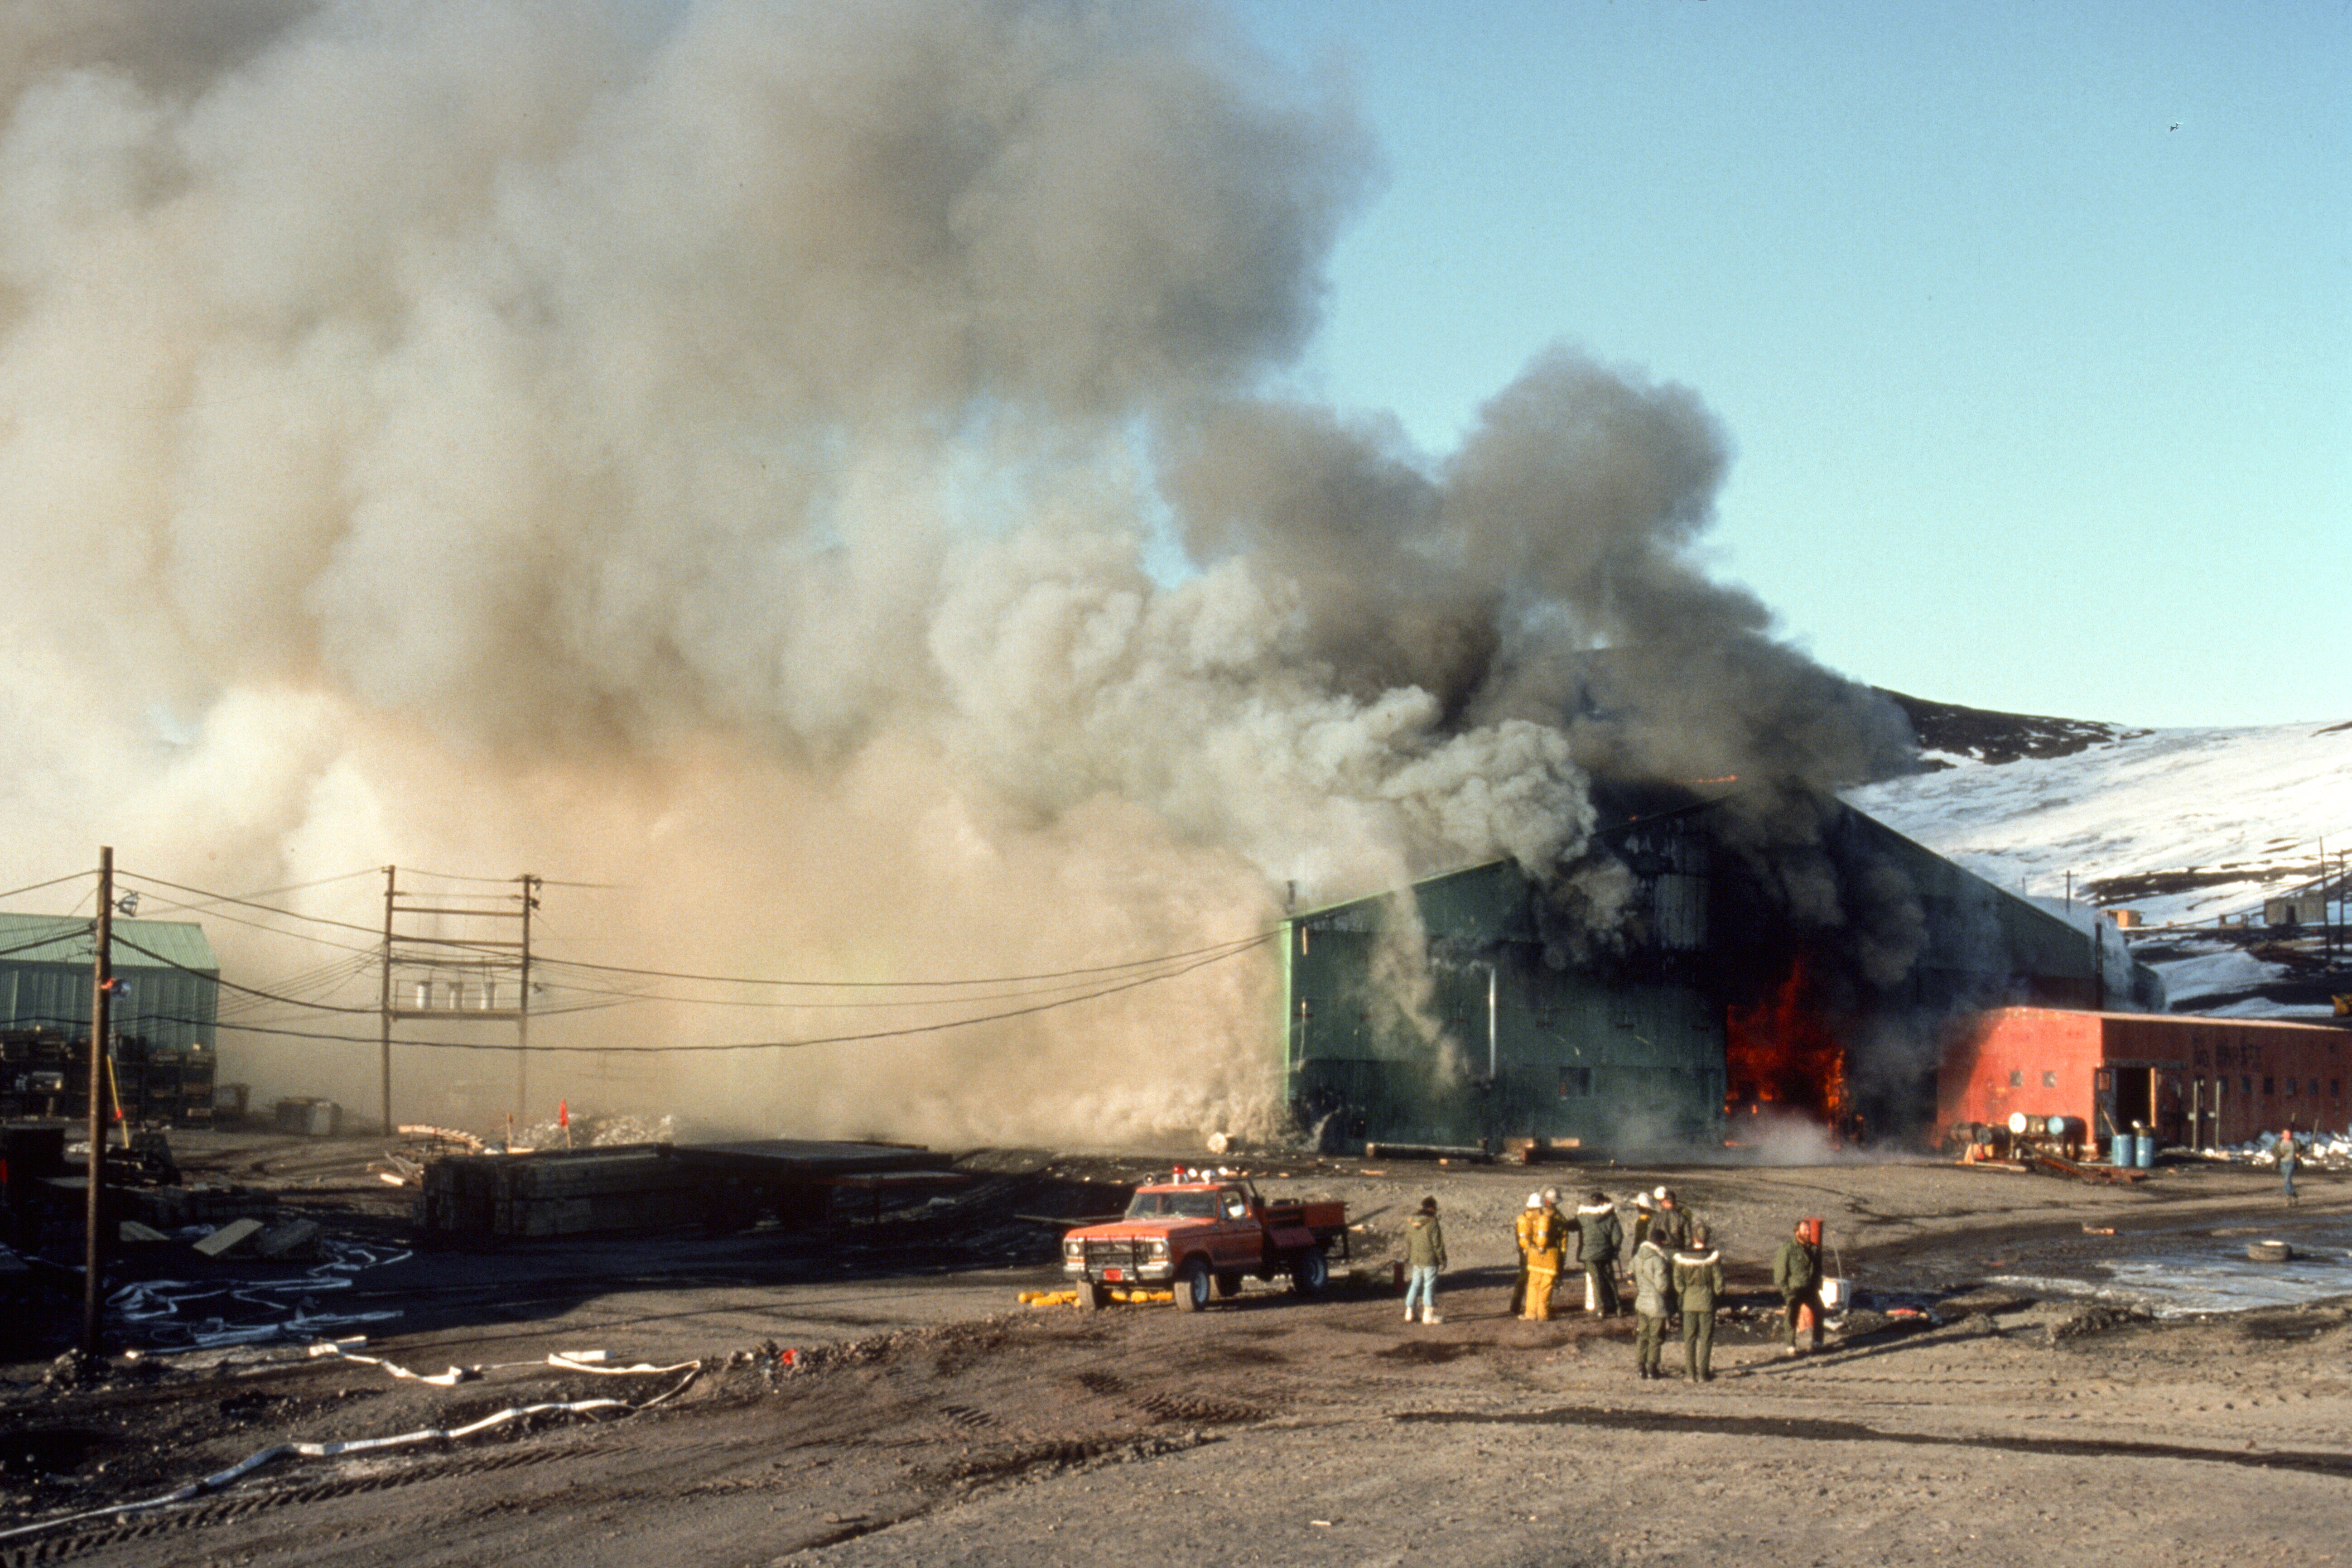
{"x":102,"y":1019}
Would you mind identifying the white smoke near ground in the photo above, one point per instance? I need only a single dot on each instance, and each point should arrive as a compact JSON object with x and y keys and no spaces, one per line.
{"x":716,"y":452}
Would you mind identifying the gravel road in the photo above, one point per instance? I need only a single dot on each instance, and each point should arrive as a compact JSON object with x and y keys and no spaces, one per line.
{"x":924,"y":1417}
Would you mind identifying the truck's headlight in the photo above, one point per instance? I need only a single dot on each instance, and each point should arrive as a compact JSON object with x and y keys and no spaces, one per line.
{"x":1158,"y":1249}
{"x":1073,"y":1249}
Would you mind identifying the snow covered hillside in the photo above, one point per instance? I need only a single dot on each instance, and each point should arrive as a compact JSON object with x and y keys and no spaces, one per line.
{"x":2193,"y":828}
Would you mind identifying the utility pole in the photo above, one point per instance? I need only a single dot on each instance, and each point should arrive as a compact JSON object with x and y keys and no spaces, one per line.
{"x":391,"y":880}
{"x":101,"y":1019}
{"x":522,"y":1005}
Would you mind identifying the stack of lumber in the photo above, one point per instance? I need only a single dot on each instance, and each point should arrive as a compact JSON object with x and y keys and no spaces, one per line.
{"x":561,"y":1192}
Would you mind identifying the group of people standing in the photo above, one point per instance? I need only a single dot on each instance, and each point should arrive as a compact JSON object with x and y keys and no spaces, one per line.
{"x":1676,"y":1269}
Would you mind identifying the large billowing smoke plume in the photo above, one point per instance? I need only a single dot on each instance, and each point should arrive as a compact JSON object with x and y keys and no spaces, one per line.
{"x":813,"y":466}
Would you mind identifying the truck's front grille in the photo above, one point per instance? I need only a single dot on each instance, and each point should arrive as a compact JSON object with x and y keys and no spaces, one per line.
{"x":1117,"y":1254}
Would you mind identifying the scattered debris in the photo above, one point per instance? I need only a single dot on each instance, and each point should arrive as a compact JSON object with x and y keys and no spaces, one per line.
{"x":295,"y":1239}
{"x":2098,"y":1317}
{"x":2059,"y":1165}
{"x":1444,"y":1154}
{"x":229,"y":1237}
{"x":2317,"y":1150}
{"x":397,"y":1170}
{"x":443,"y":1137}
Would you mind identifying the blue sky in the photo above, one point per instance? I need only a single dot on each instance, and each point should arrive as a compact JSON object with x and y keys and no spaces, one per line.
{"x":2040,"y":404}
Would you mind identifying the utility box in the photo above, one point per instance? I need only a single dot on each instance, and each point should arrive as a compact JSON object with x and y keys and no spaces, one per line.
{"x":310,"y":1118}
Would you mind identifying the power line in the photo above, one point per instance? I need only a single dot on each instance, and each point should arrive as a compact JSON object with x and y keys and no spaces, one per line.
{"x":895,"y":984}
{"x":542,"y":880}
{"x":213,"y":912}
{"x":539,"y":960}
{"x":912,"y":1030}
{"x":306,"y":887}
{"x":71,"y":876}
{"x":233,"y":986}
{"x":80,"y":928}
{"x":1072,"y":984}
{"x":249,"y":904}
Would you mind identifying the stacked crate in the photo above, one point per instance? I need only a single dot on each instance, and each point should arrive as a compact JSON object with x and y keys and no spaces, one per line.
{"x":562,"y":1192}
{"x":42,"y":1074}
{"x":164,"y":1083}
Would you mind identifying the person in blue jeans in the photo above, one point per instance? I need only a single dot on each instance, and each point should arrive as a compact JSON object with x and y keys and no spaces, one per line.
{"x":1424,"y":1256}
{"x":2288,"y":1155}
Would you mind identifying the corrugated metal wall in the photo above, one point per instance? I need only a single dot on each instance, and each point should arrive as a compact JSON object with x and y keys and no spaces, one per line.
{"x":1503,"y":1044}
{"x":169,"y":1009}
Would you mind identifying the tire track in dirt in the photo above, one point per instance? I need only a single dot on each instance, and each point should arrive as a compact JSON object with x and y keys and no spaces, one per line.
{"x":1814,"y":1429}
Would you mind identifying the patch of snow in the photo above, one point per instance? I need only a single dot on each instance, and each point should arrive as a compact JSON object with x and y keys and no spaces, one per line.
{"x":2213,"y":821}
{"x":2203,"y":974}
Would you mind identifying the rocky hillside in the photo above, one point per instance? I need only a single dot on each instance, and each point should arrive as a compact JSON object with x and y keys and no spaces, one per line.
{"x":2195,"y":831}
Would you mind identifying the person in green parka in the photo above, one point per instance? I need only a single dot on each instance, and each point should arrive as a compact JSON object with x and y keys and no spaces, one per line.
{"x":1652,"y":1278}
{"x":1797,"y":1275}
{"x":1698,"y":1281}
{"x":1599,"y":1237}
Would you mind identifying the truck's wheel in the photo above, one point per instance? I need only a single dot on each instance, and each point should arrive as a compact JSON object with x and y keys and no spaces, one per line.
{"x":1229,"y":1283}
{"x":1093,"y":1298}
{"x":1309,"y":1272}
{"x":1193,"y":1286}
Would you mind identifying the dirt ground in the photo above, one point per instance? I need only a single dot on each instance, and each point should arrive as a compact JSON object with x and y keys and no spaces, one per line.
{"x":923,"y":1416}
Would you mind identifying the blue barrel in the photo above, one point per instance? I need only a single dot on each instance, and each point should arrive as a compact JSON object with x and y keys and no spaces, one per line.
{"x":2144,"y":1155}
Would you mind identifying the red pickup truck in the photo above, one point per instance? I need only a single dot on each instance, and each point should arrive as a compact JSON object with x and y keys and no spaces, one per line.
{"x":1189,"y":1233}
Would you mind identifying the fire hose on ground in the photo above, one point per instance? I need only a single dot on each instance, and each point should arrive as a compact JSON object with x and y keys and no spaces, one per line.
{"x":576,"y":1361}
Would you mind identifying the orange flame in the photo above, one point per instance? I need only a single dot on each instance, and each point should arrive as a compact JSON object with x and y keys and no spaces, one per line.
{"x":1785,"y":1052}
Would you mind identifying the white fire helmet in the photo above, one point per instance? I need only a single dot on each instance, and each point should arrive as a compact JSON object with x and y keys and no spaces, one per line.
{"x":1535,"y":1200}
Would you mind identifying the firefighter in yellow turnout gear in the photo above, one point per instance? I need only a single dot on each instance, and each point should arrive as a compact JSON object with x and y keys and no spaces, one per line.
{"x":1543,"y":1237}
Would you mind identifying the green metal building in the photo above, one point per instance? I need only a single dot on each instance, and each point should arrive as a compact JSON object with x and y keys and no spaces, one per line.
{"x":164,"y":1017}
{"x":1674,"y":973}
{"x":171,"y":979}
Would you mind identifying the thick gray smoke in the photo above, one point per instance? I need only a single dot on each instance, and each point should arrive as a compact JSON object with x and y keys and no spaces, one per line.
{"x":718,"y":450}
